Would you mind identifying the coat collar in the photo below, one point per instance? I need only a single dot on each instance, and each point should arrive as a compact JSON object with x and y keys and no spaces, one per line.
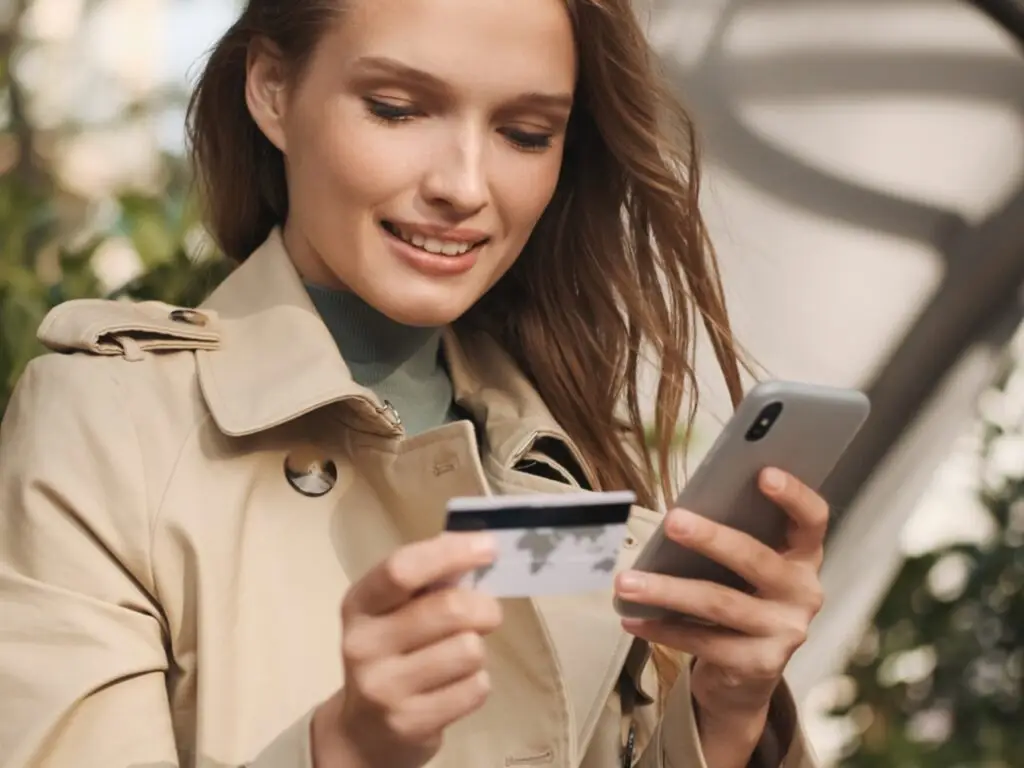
{"x":277,"y":361}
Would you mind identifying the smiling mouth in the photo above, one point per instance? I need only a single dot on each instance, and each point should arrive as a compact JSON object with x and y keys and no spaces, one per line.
{"x":434,"y":245}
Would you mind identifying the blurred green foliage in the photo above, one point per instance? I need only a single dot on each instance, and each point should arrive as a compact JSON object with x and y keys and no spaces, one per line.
{"x":939,"y":678}
{"x":40,"y":267}
{"x":50,"y":234}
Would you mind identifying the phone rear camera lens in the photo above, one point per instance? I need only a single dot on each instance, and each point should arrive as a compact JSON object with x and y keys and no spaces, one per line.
{"x":764,"y":422}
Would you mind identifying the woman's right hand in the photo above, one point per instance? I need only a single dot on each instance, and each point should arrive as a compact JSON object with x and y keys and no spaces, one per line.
{"x":413,"y":654}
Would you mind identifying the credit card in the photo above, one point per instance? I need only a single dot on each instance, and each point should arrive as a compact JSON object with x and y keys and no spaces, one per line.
{"x":548,"y":544}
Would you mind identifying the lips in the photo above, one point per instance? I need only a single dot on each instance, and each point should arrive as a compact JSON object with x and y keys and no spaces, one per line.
{"x":431,"y":243}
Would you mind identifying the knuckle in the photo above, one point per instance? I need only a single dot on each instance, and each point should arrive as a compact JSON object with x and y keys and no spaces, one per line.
{"x":764,"y":666}
{"x":732,"y":677}
{"x":404,"y":726}
{"x":349,"y":608}
{"x":779,"y":662}
{"x":724,"y":605}
{"x":454,"y":607}
{"x":355,"y":648}
{"x":817,"y":516}
{"x":479,"y":688}
{"x":796,"y":634}
{"x":372,"y":688}
{"x":471,"y":648}
{"x":397,"y":570}
{"x":821,"y":512}
{"x":493,"y":619}
{"x":490,"y":613}
{"x":763,"y":563}
{"x":815,"y":599}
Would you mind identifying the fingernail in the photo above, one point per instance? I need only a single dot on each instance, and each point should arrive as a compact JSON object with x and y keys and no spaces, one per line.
{"x":631,"y":581}
{"x":484,"y":544}
{"x":774,"y":479}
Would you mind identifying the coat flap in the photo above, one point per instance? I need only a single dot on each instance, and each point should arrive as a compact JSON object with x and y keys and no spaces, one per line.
{"x":128,"y":329}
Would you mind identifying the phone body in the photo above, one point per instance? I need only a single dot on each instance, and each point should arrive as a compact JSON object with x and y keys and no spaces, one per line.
{"x":803,"y":429}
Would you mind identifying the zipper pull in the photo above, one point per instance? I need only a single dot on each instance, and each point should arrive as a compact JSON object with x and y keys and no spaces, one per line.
{"x":629,"y":747}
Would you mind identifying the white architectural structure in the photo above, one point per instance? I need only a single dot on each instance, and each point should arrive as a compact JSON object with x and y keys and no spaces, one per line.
{"x":866,"y":191}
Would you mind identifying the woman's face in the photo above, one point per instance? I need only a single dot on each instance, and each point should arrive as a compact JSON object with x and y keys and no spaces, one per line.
{"x":422,"y":144}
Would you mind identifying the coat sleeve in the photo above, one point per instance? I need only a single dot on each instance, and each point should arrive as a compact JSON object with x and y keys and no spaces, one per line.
{"x":83,"y":640}
{"x":675,"y":742}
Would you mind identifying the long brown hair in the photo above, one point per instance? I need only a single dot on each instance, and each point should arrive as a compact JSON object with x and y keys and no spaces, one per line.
{"x":618,"y":271}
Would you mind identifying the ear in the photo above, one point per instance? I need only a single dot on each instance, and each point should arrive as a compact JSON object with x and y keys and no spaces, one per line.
{"x":266,"y":92}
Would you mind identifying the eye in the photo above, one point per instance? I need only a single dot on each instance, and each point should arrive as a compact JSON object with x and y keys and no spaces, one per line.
{"x":389,"y":111}
{"x":531,"y":141}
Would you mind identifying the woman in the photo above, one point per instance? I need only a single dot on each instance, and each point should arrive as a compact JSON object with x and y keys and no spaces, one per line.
{"x":459,"y":226}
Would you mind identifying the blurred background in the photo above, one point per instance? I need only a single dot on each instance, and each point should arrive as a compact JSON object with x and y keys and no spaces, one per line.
{"x":865,"y":188}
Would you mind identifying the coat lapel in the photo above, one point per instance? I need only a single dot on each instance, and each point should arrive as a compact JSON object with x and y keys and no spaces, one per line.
{"x":585,"y":631}
{"x":270,"y":330}
{"x":589,"y":643}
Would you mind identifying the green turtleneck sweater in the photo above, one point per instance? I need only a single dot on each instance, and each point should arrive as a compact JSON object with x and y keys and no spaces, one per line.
{"x":399,"y":363}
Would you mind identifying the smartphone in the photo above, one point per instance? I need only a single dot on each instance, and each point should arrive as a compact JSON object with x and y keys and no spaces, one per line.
{"x":803,"y":429}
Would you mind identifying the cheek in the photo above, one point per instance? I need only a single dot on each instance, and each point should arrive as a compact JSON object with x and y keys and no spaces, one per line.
{"x":350,"y":161}
{"x":527,"y":183}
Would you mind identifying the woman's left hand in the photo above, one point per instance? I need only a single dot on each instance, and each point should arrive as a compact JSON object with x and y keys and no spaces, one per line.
{"x":741,"y":659}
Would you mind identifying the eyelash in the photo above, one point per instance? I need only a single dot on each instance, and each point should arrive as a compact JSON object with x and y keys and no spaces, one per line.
{"x":392,"y":114}
{"x":389,"y":113}
{"x":526,"y":140}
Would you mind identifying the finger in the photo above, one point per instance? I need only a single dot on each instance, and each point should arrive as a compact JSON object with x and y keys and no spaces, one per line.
{"x":426,"y":619}
{"x":438,"y":615}
{"x":415,"y":567}
{"x":705,"y":600}
{"x":744,"y":657}
{"x":807,"y":511}
{"x":757,"y":563}
{"x":424,"y":715}
{"x":440,"y":664}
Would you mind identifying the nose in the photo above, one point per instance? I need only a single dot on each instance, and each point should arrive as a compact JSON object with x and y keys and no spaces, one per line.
{"x":457,"y":180}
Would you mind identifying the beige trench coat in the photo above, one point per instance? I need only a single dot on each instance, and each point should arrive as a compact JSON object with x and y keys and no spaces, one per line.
{"x":167,"y":596}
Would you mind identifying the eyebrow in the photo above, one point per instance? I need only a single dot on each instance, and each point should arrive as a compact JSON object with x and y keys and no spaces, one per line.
{"x":368,"y":66}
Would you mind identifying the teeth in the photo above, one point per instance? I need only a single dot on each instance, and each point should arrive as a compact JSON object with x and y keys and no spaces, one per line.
{"x":432,"y":244}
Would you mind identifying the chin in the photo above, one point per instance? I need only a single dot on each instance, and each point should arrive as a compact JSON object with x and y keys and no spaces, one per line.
{"x":423,"y":309}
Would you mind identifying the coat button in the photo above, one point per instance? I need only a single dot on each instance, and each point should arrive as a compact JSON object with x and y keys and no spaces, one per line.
{"x":190,"y":317}
{"x":309,"y":474}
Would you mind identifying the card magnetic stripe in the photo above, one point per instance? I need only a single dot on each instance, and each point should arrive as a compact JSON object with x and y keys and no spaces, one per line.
{"x":576,"y":516}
